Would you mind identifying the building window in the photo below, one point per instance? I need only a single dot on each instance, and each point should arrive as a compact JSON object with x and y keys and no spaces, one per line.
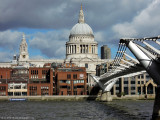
{"x":138,"y":82}
{"x":147,"y":77}
{"x":132,"y":82}
{"x":126,"y":90}
{"x":74,"y":76}
{"x":117,"y":88}
{"x":86,"y":65}
{"x":68,"y":76}
{"x":132,"y":88}
{"x":75,"y":92}
{"x":125,"y":82}
{"x":117,"y":82}
{"x":132,"y":93}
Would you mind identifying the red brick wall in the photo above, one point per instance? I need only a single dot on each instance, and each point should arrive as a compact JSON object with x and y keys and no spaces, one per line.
{"x":62,"y":75}
{"x":39,"y":89}
{"x":40,"y":70}
{"x":5,"y":73}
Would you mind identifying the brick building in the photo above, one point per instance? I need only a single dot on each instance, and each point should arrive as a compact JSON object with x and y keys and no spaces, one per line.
{"x":40,"y":81}
{"x":17,"y":84}
{"x":52,"y":79}
{"x":70,"y":80}
{"x":5,"y":74}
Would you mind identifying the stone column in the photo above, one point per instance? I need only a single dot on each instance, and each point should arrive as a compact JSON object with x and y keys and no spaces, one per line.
{"x":153,"y":89}
{"x":122,"y":85}
{"x":146,"y":90}
{"x":106,"y":97}
{"x":129,"y":86}
{"x":69,"y":49}
{"x":66,"y":50}
{"x":73,"y":49}
{"x":156,"y":108}
{"x":96,"y":49}
{"x":141,"y":90}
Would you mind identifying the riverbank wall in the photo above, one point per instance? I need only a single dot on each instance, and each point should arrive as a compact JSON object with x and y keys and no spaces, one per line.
{"x":132,"y":97}
{"x":75,"y":97}
{"x":50,"y":98}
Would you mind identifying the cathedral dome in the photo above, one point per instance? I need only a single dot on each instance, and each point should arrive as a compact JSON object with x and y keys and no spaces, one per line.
{"x":82,"y":29}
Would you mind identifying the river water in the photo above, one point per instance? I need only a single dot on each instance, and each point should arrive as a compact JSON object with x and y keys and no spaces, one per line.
{"x":77,"y":110}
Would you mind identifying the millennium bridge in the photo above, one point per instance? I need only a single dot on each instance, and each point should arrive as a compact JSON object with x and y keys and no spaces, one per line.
{"x":147,"y":59}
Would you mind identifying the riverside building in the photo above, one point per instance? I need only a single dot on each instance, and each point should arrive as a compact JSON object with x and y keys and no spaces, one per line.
{"x":141,"y":85}
{"x":70,"y":80}
{"x":51,"y":79}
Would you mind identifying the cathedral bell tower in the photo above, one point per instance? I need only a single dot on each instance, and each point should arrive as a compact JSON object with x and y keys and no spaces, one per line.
{"x":23,"y":50}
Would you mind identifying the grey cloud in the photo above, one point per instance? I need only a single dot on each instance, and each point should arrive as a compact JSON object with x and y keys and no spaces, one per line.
{"x":62,"y":14}
{"x":10,"y":40}
{"x":5,"y":57}
{"x":145,"y":24}
{"x":51,"y":44}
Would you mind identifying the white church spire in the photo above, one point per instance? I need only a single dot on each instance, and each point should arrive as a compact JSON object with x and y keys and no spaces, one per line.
{"x":23,"y":56}
{"x":23,"y":37}
{"x":81,"y":16}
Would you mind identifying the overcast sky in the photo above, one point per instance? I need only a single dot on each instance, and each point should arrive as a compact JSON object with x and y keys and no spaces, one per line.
{"x":47,"y":23}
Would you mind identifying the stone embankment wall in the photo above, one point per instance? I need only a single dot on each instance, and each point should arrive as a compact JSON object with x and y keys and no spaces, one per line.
{"x":53,"y":98}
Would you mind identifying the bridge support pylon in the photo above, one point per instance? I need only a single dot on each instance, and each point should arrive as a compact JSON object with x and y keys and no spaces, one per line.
{"x":106,"y":96}
{"x":156,"y":108}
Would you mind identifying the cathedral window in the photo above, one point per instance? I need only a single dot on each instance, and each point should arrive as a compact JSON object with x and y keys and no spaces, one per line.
{"x":86,"y":65}
{"x":81,"y":48}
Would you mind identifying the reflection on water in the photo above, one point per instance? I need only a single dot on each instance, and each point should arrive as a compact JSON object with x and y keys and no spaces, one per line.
{"x":81,"y":110}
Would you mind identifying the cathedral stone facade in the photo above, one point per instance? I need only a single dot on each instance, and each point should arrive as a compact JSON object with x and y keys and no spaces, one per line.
{"x":81,"y":41}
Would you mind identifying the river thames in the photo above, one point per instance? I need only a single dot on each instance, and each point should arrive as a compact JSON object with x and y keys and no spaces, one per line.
{"x":76,"y":110}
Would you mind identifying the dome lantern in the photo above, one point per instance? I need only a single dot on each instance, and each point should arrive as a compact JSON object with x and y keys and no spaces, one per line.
{"x":81,"y":16}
